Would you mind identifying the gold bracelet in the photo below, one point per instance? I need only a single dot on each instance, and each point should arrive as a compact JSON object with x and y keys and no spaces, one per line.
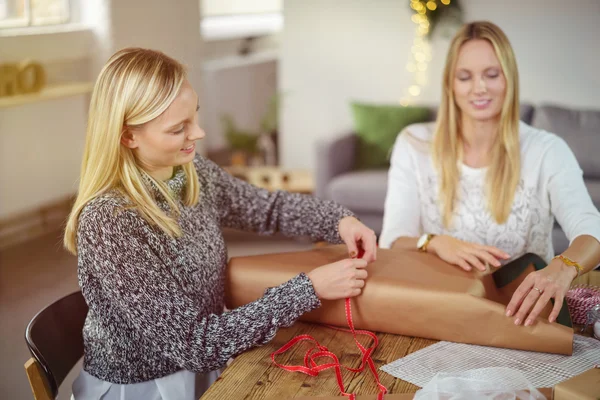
{"x":570,"y":263}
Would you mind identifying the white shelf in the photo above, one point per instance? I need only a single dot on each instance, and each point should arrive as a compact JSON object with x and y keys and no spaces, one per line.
{"x":227,"y":27}
{"x":48,"y":93}
{"x":241,"y":61}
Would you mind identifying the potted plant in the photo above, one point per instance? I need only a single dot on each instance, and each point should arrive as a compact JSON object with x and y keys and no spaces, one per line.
{"x":250,"y":147}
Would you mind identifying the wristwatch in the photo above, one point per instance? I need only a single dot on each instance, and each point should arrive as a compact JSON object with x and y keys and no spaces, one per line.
{"x":423,"y":242}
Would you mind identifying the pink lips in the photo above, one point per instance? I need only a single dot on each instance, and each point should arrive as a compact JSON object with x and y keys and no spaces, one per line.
{"x":189,"y":150}
{"x":481,"y":104}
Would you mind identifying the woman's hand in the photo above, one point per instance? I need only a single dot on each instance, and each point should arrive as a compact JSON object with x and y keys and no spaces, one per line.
{"x":536,"y":291}
{"x":357,"y":236}
{"x":339,"y":280}
{"x":464,"y":254}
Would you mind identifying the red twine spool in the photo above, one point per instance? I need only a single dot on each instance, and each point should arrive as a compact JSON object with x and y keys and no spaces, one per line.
{"x":580,"y":300}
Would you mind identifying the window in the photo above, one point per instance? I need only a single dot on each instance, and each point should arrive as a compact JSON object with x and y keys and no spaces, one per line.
{"x":23,"y":13}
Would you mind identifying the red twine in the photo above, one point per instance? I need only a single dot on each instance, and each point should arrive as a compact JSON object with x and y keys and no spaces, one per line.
{"x":311,"y":367}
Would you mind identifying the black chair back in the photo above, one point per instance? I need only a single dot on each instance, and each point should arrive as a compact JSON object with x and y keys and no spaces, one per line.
{"x":55,"y":339}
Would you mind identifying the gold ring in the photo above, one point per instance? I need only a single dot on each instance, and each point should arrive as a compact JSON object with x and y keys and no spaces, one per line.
{"x":539,"y":290}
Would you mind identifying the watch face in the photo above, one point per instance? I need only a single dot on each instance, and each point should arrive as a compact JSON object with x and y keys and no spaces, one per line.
{"x":421,"y":241}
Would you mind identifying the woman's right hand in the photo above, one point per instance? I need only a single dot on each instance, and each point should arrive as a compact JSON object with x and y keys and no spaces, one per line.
{"x":465,"y":254}
{"x":339,"y":280}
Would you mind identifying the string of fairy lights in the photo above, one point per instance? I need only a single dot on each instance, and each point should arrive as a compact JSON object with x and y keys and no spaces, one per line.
{"x":421,"y":48}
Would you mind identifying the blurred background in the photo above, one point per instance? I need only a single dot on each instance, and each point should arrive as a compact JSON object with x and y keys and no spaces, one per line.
{"x":280,"y":83}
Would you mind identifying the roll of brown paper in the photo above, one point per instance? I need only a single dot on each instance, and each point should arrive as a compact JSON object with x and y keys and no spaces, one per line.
{"x":413,"y":294}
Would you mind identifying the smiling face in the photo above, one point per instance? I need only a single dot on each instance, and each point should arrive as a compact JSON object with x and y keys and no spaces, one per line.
{"x":168,"y":140}
{"x":479,"y":84}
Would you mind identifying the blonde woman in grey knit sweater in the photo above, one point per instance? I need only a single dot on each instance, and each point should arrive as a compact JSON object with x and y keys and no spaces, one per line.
{"x":146,"y":228}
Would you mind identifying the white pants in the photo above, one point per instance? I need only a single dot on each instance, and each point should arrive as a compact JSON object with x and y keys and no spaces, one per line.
{"x":182,"y":385}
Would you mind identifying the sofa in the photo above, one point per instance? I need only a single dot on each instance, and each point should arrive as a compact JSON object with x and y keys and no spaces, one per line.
{"x":364,"y":191}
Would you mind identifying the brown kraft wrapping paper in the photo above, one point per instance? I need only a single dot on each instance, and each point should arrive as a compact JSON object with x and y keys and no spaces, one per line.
{"x":585,"y":386}
{"x":414,"y":294}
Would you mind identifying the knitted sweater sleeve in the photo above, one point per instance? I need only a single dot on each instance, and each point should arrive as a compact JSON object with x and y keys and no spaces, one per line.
{"x":247,"y":207}
{"x":121,"y":276}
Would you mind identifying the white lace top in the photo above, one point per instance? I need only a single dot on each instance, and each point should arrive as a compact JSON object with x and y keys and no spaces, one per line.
{"x":551,"y":186}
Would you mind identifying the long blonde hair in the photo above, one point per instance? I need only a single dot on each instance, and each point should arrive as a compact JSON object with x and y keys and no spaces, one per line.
{"x":504,"y":171}
{"x":134,"y":87}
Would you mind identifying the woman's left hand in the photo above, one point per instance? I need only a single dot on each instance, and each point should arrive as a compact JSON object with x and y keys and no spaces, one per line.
{"x":536,"y":291}
{"x":357,"y":236}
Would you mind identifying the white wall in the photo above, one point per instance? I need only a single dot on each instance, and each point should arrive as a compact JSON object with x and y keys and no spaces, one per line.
{"x":172,"y":28}
{"x":41,"y":143}
{"x":47,"y":137}
{"x":40,"y":153}
{"x":336,"y":51}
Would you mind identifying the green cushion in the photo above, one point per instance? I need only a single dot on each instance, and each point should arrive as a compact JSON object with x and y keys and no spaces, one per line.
{"x":377,"y":127}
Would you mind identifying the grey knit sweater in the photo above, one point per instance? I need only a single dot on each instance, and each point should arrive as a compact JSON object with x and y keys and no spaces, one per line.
{"x":156,"y":303}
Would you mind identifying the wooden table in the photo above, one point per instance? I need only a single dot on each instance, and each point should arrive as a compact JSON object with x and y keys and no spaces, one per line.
{"x":252,"y":375}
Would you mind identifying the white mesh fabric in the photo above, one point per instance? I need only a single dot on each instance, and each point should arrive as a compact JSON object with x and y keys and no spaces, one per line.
{"x":541,"y":369}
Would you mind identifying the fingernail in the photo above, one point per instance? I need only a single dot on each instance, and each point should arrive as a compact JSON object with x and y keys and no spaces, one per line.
{"x":352,"y":254}
{"x":528,"y":322}
{"x":552,"y":319}
{"x":517,"y":321}
{"x":497,"y":264}
{"x":508,"y":313}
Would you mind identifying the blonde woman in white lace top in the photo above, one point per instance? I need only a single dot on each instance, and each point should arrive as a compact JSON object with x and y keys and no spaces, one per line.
{"x":479,"y":187}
